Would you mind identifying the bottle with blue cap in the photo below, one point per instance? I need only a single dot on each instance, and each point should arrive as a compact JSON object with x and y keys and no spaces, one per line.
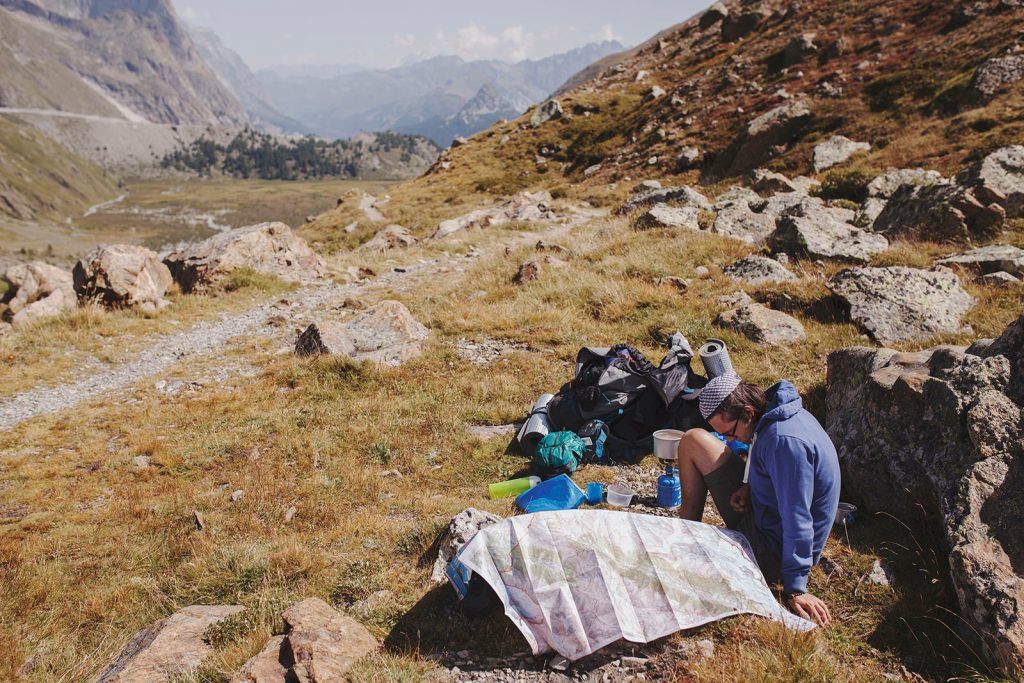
{"x":669,"y":490}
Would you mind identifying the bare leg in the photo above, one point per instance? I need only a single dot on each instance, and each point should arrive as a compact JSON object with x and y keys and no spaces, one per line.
{"x":699,"y":454}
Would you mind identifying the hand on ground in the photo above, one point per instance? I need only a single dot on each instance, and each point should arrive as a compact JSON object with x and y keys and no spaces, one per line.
{"x":809,"y":607}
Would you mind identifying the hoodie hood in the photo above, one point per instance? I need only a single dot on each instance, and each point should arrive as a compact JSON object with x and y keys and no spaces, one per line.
{"x":783,"y":403}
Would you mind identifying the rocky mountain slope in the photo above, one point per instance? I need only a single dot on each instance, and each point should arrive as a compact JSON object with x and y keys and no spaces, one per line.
{"x":423,"y":98}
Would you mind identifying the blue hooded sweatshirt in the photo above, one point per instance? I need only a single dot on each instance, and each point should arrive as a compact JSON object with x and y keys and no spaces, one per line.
{"x":793,"y":474}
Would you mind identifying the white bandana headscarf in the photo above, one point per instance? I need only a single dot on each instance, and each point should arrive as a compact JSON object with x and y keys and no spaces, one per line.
{"x":712,"y":395}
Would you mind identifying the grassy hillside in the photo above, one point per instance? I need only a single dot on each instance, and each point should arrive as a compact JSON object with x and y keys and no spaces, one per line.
{"x":41,"y":180}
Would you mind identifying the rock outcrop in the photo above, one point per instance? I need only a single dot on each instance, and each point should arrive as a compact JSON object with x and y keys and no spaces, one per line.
{"x":548,"y":111}
{"x":942,"y":212}
{"x":36,"y":291}
{"x":997,"y":73}
{"x":270,"y":248}
{"x":991,"y":259}
{"x":457,"y":534}
{"x":525,"y":206}
{"x":269,"y":665}
{"x":167,"y":648}
{"x":819,"y":231}
{"x":939,"y":436}
{"x":900,"y":304}
{"x":321,"y":643}
{"x":775,"y":128}
{"x":759,"y":270}
{"x":385,"y":334}
{"x":762,"y":325}
{"x":736,"y":26}
{"x":123,"y":276}
{"x":884,"y":186}
{"x":664,"y":216}
{"x":735,"y":217}
{"x":391,"y":237}
{"x":1003,"y":172}
{"x":836,"y":150}
{"x":684,"y":194}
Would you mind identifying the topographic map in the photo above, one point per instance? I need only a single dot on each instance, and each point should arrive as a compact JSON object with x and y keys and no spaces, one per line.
{"x":577,"y":580}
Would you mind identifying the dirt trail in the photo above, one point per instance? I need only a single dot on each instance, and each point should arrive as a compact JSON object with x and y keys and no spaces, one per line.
{"x":211,"y":336}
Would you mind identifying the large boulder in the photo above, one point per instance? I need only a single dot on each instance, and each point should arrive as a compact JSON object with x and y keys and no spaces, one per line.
{"x":684,"y":194}
{"x":524,"y":207}
{"x":991,"y":259}
{"x":759,"y":270}
{"x":391,"y":237}
{"x":385,"y":334}
{"x":942,"y":212}
{"x":321,"y":643}
{"x":270,"y":248}
{"x":123,"y":276}
{"x":460,"y":529}
{"x":997,"y":73}
{"x":1003,"y":172}
{"x":799,"y":48}
{"x":714,"y":14}
{"x":836,"y":150}
{"x":665,"y":216}
{"x":938,"y":436}
{"x":775,"y":128}
{"x":819,"y":231}
{"x":735,"y":216}
{"x":884,"y":186}
{"x":736,"y":26}
{"x":37,"y":291}
{"x":902,"y":304}
{"x":762,"y":325}
{"x":548,"y":111}
{"x":266,"y":666}
{"x":167,"y":648}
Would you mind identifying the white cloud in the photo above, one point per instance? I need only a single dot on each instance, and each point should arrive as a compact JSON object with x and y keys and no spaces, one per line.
{"x":606,"y":33}
{"x":472,"y":41}
{"x":189,"y":13}
{"x":404,"y":39}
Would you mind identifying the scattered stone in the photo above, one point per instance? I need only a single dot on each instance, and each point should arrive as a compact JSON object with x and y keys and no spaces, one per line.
{"x":737,"y":26}
{"x":941,"y":212}
{"x":322,"y":643}
{"x":763,"y":181}
{"x":884,"y":186}
{"x":391,"y":237}
{"x":688,"y":158}
{"x":958,"y":468}
{"x":458,"y":141}
{"x":236,"y":495}
{"x":656,"y":92}
{"x":385,"y":334}
{"x":1003,"y":172}
{"x":775,"y":128}
{"x":714,"y":14}
{"x":641,"y":75}
{"x":524,"y":207}
{"x":880,"y":575}
{"x":528,"y":272}
{"x":996,"y":73}
{"x":702,"y":271}
{"x":552,"y":109}
{"x":269,"y":248}
{"x":458,"y":532}
{"x":559,"y":663}
{"x":266,"y":666}
{"x":990,"y":259}
{"x":365,"y":608}
{"x":170,"y":647}
{"x":824,"y":232}
{"x":485,"y":351}
{"x":798,"y":49}
{"x":141,"y":461}
{"x":681,"y":284}
{"x":681,"y":195}
{"x":354,"y":304}
{"x":903,"y":304}
{"x":353,"y":275}
{"x":1000,"y":279}
{"x":37,"y":291}
{"x":197,"y":519}
{"x":734,"y":300}
{"x":555,"y":262}
{"x":763,"y":325}
{"x":836,"y":150}
{"x":290,"y":513}
{"x":123,"y":276}
{"x":543,"y":246}
{"x":759,"y":270}
{"x":646,"y":186}
{"x":175,"y":387}
{"x":488,"y":432}
{"x":734,"y":217}
{"x":664,"y":216}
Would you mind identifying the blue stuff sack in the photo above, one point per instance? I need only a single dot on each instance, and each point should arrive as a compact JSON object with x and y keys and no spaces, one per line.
{"x":558,"y":493}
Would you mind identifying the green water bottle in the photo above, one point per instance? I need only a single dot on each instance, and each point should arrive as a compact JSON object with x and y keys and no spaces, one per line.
{"x":512,"y":487}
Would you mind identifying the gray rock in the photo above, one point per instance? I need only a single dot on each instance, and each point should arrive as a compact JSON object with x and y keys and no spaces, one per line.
{"x":799,"y":48}
{"x":821,"y":232}
{"x":836,"y":150}
{"x":763,"y":181}
{"x":123,"y":276}
{"x":688,"y":158}
{"x":1003,"y":172}
{"x":37,"y":291}
{"x":391,"y":237}
{"x":959,"y":468}
{"x":656,"y":92}
{"x":322,"y":643}
{"x":903,"y":304}
{"x":762,"y":325}
{"x":265,"y":666}
{"x":880,"y":574}
{"x":884,"y":186}
{"x":528,"y":272}
{"x":759,"y":270}
{"x":777,"y":127}
{"x":734,"y":217}
{"x":664,"y":216}
{"x":646,"y":186}
{"x":167,"y":648}
{"x":377,"y":600}
{"x":682,"y":195}
{"x":270,"y":248}
{"x":990,"y":259}
{"x":997,"y":73}
{"x":548,"y":111}
{"x":941,"y":212}
{"x":525,"y":207}
{"x":385,"y":334}
{"x":738,"y":26}
{"x":1000,"y":279}
{"x":458,"y":532}
{"x":458,"y":141}
{"x":714,"y":14}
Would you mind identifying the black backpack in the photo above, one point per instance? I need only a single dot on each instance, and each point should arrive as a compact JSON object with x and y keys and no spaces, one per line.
{"x":633,"y":397}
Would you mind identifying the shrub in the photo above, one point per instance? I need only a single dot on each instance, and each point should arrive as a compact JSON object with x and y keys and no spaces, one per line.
{"x":849,"y":183}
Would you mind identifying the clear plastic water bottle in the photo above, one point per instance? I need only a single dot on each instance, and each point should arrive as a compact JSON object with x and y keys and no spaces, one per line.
{"x":669,"y":491}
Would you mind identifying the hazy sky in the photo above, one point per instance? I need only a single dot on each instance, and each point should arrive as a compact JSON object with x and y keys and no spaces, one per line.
{"x":384,"y":33}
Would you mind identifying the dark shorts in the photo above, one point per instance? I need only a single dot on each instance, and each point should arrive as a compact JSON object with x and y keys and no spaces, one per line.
{"x":722,"y":483}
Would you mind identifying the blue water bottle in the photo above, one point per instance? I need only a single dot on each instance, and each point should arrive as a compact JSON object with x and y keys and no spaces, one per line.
{"x":669,"y":492}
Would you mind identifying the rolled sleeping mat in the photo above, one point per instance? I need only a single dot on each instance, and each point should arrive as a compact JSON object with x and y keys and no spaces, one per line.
{"x":536,"y":426}
{"x":715,"y":357}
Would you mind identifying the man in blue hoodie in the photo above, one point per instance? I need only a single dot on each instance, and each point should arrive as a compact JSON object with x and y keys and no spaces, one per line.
{"x":784,"y":498}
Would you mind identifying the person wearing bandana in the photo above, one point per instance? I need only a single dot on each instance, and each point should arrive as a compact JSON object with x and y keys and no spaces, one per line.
{"x":783,"y":499}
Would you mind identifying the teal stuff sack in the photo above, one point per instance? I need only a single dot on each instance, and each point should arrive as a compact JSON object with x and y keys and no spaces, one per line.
{"x":559,"y":453}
